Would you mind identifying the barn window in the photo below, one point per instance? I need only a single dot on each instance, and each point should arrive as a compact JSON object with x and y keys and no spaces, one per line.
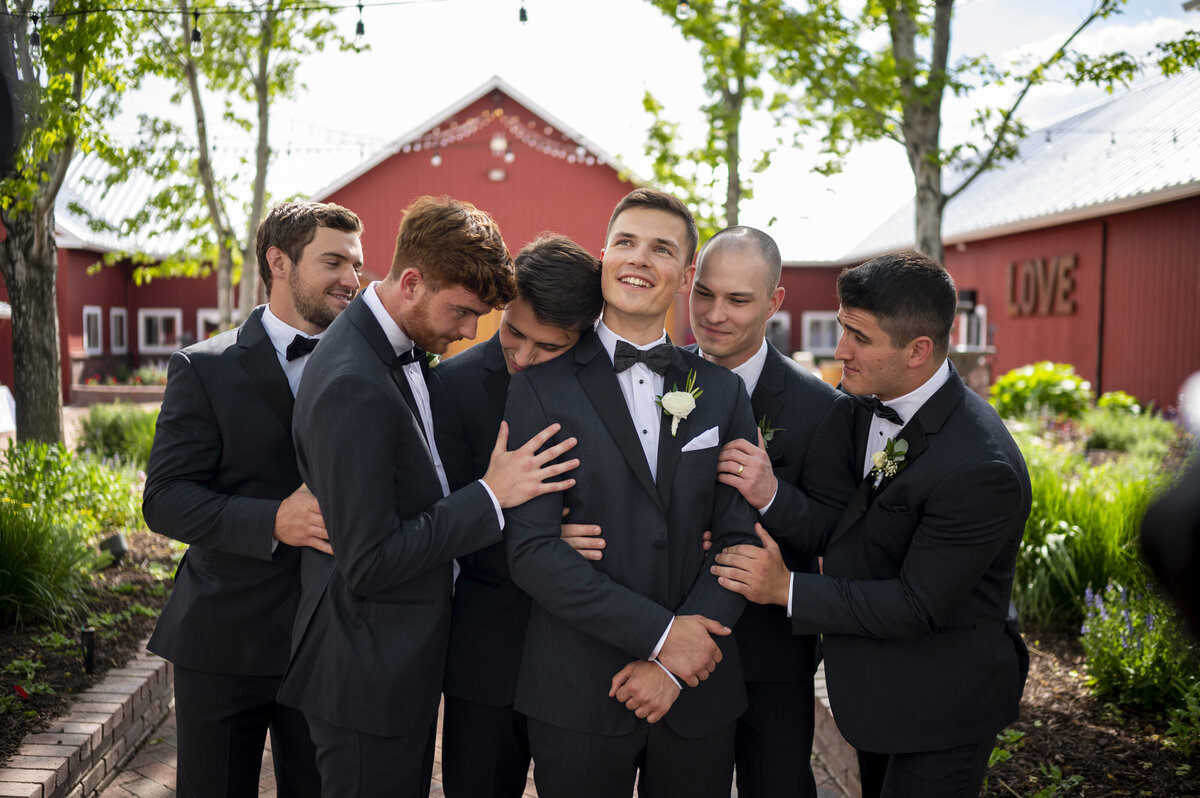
{"x":819,"y":332}
{"x":118,"y":330}
{"x":93,"y":336}
{"x":159,"y":330}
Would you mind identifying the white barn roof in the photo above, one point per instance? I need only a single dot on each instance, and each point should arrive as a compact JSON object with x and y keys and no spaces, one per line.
{"x":1141,"y":148}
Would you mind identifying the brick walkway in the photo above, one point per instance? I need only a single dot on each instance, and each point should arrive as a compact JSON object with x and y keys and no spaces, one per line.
{"x":151,"y":772}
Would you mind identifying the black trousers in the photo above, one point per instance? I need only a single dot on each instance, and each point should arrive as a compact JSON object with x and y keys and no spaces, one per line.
{"x":222,"y":722}
{"x":570,"y":764}
{"x":774,"y":741}
{"x":485,"y":750}
{"x":952,"y":773}
{"x":355,"y":764}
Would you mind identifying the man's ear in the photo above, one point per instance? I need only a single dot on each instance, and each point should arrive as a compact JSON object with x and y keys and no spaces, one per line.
{"x":411,"y":281}
{"x":278,"y":263}
{"x":776,"y":300}
{"x":685,"y":285}
{"x":919,"y":350}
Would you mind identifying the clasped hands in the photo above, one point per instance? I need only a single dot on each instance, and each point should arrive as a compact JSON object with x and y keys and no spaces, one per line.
{"x":689,"y":652}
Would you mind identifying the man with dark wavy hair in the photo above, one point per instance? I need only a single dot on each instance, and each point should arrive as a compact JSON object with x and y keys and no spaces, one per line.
{"x":222,"y":477}
{"x":371,"y":630}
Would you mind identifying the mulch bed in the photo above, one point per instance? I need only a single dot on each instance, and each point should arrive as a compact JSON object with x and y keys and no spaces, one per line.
{"x":1118,"y":752}
{"x":64,"y":670}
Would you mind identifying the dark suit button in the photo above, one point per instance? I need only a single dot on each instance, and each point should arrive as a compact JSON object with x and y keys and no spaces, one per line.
{"x":660,"y":545}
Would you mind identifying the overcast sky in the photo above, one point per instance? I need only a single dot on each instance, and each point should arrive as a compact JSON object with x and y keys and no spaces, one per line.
{"x":589,"y":63}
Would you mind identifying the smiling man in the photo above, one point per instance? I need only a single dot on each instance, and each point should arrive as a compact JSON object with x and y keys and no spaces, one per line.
{"x":800,"y":477}
{"x":485,"y":745}
{"x":373,"y":621}
{"x":610,"y":641}
{"x":222,"y":477}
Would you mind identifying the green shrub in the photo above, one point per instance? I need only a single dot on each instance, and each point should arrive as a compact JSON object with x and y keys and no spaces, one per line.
{"x":1119,"y":401}
{"x":1082,"y":530}
{"x":1043,"y":387}
{"x":151,"y":374}
{"x":1136,"y":653}
{"x":1142,"y":435}
{"x":76,"y":490}
{"x":119,"y":430}
{"x":1183,"y":729}
{"x":43,"y":565}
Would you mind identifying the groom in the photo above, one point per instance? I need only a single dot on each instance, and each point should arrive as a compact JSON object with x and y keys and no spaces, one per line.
{"x":610,"y":644}
{"x":923,"y":658}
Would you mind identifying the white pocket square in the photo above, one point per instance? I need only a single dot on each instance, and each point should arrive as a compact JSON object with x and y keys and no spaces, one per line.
{"x":707,"y":439}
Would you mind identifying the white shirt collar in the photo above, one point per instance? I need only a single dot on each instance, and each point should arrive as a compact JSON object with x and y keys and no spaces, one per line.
{"x":396,"y":336}
{"x":751,"y":370}
{"x":280,"y":332}
{"x":908,"y":405}
{"x":608,"y":339}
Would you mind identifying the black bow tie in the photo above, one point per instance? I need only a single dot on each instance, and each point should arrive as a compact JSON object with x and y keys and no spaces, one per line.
{"x":413,"y":355}
{"x":301,"y":346}
{"x":656,"y":358}
{"x":877,"y":407}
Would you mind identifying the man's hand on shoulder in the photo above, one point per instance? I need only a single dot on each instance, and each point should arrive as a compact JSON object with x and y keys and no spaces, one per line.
{"x":516,"y":477}
{"x":689,"y":651}
{"x":298,"y":522}
{"x":644,"y":688}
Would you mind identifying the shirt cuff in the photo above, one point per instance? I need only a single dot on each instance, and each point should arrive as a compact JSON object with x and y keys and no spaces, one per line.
{"x":791,"y":582}
{"x":495,"y":503}
{"x":670,"y":675}
{"x":763,"y":510}
{"x":662,"y":640}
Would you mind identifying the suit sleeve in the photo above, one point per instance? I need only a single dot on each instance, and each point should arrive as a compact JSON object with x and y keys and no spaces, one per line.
{"x":967,"y":521}
{"x":732,"y":524}
{"x":356,"y":481}
{"x":805,"y":515}
{"x":550,"y":571}
{"x":178,"y":500}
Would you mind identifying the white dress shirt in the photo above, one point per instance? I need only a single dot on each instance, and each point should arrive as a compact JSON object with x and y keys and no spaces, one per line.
{"x":281,"y":334}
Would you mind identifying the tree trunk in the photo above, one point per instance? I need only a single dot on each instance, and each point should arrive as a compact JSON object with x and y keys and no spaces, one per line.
{"x":248,"y":295}
{"x":29,"y":265}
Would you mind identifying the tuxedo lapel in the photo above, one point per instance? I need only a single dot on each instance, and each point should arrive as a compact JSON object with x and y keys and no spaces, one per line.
{"x":261,"y":363}
{"x":495,"y":381}
{"x":766,"y":401}
{"x":669,"y":446}
{"x":599,"y":382}
{"x":359,"y":314}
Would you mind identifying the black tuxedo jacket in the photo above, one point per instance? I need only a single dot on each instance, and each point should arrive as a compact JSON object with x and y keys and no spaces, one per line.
{"x":487,"y":624}
{"x":921,"y":652}
{"x":221,"y":463}
{"x":370,"y":638}
{"x":590,"y":619}
{"x":812,"y":456}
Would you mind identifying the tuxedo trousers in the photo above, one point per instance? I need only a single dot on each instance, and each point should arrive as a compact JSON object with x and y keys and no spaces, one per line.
{"x":485,"y":750}
{"x":222,"y":721}
{"x":952,"y":773}
{"x":571,"y":764}
{"x":355,"y":764}
{"x":774,"y":741}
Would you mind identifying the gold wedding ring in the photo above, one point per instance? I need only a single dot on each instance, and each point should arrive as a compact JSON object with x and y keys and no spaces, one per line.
{"x":741,"y":468}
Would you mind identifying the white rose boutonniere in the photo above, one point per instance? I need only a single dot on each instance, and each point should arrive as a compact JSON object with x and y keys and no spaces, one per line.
{"x":432,"y":360}
{"x":890,"y":461}
{"x":678,"y":404}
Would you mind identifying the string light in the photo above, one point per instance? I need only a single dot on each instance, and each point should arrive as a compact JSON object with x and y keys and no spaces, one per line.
{"x":683,"y":10}
{"x":523,"y":16}
{"x":359,"y":29}
{"x":436,"y":160}
{"x":35,"y":39}
{"x":197,"y":41}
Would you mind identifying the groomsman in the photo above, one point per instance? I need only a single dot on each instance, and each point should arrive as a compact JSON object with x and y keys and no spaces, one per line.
{"x":222,"y":477}
{"x":799,"y":478}
{"x":924,"y":661}
{"x":373,"y":621}
{"x":610,"y":642}
{"x":485,"y":745}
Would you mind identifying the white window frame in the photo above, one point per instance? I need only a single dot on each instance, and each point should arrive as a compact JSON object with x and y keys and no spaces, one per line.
{"x":158,"y":349}
{"x":818,"y":344}
{"x":780,"y":326}
{"x":210,"y":315}
{"x":964,"y":341}
{"x":118,"y":319}
{"x":93,"y":347}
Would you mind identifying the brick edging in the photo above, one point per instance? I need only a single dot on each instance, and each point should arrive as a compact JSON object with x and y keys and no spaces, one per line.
{"x":78,"y":754}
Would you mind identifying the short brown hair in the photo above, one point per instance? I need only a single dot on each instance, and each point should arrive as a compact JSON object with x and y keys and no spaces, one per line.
{"x":454,"y":243}
{"x":291,"y":226}
{"x":662,"y":201}
{"x":561,"y":282}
